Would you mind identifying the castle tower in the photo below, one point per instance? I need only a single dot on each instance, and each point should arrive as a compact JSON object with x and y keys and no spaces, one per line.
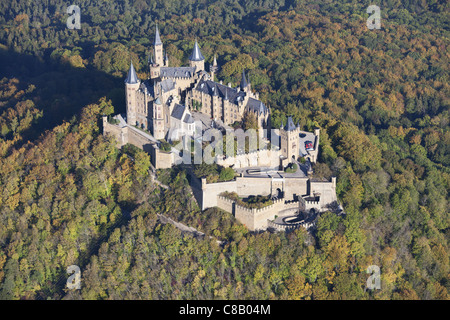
{"x":214,"y":68}
{"x":196,"y":59}
{"x":249,"y":85}
{"x":155,"y":69}
{"x":289,"y":143}
{"x":132,"y":84}
{"x":158,"y":119}
{"x":158,"y":47}
{"x":244,"y":84}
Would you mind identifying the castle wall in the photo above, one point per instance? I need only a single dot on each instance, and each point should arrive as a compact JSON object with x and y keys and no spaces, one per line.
{"x":225,"y":204}
{"x":259,"y":219}
{"x":295,"y":187}
{"x":161,"y":159}
{"x":327,"y":191}
{"x":120,"y":134}
{"x":255,"y":219}
{"x":210,"y":192}
{"x":124,"y":135}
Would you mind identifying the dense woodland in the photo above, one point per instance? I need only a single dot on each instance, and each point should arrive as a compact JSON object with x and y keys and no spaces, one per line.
{"x":69,"y":196}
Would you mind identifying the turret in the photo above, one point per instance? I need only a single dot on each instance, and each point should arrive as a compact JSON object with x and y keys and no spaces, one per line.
{"x":166,"y":60}
{"x":196,"y":58}
{"x":132,"y":84}
{"x":244,"y":83}
{"x":158,"y":47}
{"x":214,"y":68}
{"x":289,"y":140}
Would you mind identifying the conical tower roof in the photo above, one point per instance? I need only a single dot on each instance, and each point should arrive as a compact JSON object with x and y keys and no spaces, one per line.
{"x":244,"y":83}
{"x":132,"y":76}
{"x":196,"y":54}
{"x":157,"y":38}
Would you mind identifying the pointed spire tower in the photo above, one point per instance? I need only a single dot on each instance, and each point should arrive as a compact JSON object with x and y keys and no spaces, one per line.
{"x":213,"y":68}
{"x":132,"y":84}
{"x":288,"y":134}
{"x":244,"y":83}
{"x":132,"y":76}
{"x":158,"y":48}
{"x":196,"y":59}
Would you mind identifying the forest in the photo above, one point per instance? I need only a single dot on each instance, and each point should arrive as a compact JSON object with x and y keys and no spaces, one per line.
{"x":70,"y":197}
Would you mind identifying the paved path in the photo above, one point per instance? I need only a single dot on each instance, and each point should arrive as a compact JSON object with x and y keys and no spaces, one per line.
{"x":185,"y":228}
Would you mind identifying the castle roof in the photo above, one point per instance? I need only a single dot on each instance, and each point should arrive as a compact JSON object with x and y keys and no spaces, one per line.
{"x":196,"y":55}
{"x":231,"y":94}
{"x":132,"y":76}
{"x":256,"y":106}
{"x":290,"y":126}
{"x":177,"y":72}
{"x":167,"y":85}
{"x":157,"y":38}
{"x":178,"y":111}
{"x":244,"y":83}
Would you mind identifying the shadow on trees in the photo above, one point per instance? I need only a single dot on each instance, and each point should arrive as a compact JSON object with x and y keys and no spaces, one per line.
{"x":61,"y":89}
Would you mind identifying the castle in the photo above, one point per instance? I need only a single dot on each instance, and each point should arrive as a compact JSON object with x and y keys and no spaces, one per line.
{"x":165,"y":107}
{"x":156,"y":105}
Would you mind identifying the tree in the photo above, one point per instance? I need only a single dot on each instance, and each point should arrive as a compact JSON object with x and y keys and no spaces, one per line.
{"x":226,"y":174}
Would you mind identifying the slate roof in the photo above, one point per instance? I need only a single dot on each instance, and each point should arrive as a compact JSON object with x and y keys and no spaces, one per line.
{"x":256,"y":106}
{"x":132,"y":76}
{"x":167,"y":85}
{"x":196,"y":54}
{"x":290,"y":126}
{"x":225,"y":92}
{"x":157,"y":38}
{"x":178,"y":111}
{"x":244,"y":83}
{"x":177,"y":72}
